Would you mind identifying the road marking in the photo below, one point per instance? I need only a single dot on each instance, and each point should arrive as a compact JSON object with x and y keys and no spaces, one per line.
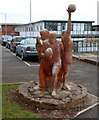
{"x":20,"y":58}
{"x":90,"y":107}
{"x":30,"y":64}
{"x":36,"y":65}
{"x":26,"y":63}
{"x":13,"y":53}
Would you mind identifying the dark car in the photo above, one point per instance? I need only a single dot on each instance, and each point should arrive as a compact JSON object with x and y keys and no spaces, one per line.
{"x":27,"y":48}
{"x":15,"y":41}
{"x":4,"y":39}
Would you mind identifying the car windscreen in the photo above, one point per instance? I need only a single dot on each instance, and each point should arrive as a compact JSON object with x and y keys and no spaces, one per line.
{"x":18,"y":39}
{"x":30,"y":41}
{"x":7,"y":37}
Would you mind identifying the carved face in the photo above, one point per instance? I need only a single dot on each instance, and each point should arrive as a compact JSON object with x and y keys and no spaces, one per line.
{"x":44,"y":34}
{"x":52,"y":37}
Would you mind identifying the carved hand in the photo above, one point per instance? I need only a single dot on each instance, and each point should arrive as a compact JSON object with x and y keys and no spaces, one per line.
{"x":69,"y":12}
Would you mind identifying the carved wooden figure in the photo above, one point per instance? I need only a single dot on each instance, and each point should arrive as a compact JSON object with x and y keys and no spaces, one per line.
{"x":41,"y":47}
{"x":55,"y":57}
{"x":56,"y":60}
{"x":68,"y":45}
{"x":67,"y":55}
{"x":50,"y":52}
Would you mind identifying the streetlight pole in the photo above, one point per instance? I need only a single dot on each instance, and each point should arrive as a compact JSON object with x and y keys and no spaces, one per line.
{"x":5,"y":23}
{"x":30,"y":18}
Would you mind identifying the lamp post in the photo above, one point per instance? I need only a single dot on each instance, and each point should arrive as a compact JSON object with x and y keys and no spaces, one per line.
{"x":30,"y":18}
{"x":5,"y":23}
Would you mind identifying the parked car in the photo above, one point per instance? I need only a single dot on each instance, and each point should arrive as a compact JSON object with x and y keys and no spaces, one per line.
{"x":15,"y":41}
{"x":27,"y":48}
{"x":0,"y":40}
{"x":5,"y":38}
{"x":8,"y":42}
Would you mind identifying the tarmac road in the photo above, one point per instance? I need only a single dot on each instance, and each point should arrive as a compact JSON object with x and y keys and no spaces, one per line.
{"x":15,"y":70}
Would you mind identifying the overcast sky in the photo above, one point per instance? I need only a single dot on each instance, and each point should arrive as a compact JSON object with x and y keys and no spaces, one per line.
{"x":18,"y":11}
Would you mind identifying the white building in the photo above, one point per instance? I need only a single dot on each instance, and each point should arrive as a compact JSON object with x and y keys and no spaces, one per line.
{"x":78,"y":27}
{"x":26,"y":30}
{"x":80,"y":31}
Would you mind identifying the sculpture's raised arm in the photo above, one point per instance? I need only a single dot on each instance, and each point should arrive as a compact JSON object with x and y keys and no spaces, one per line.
{"x":68,"y":32}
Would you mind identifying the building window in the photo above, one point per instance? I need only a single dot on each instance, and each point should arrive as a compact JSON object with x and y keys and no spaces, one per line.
{"x":63,"y":26}
{"x":87,"y":27}
{"x":66,"y":25}
{"x":41,"y":27}
{"x":28,"y":29}
{"x":31,"y":28}
{"x":72,"y":27}
{"x":59,"y":27}
{"x":51,"y":26}
{"x":25,"y":28}
{"x":76,"y":27}
{"x":37,"y":28}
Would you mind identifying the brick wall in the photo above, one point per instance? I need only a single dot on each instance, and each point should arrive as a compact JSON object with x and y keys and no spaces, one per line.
{"x":9,"y":30}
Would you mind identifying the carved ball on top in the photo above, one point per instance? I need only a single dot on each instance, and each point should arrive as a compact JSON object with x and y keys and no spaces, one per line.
{"x":72,"y":8}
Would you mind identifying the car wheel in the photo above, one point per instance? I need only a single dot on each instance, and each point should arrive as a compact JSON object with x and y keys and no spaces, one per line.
{"x":17,"y":53}
{"x":22,"y":56}
{"x":14,"y":50}
{"x":2,"y":44}
{"x":10,"y":48}
{"x":6,"y":46}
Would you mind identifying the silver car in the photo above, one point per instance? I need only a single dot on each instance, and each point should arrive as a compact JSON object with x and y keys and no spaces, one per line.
{"x":27,"y":48}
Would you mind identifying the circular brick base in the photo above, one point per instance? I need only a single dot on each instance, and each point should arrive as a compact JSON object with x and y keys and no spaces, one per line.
{"x":43,"y":99}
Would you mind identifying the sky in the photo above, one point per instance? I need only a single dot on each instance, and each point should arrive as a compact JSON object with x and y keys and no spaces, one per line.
{"x":18,"y":11}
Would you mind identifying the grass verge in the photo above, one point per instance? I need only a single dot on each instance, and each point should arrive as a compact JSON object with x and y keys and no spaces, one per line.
{"x":11,"y":109}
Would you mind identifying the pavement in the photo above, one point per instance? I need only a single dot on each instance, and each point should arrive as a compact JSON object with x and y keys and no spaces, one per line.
{"x":87,"y":57}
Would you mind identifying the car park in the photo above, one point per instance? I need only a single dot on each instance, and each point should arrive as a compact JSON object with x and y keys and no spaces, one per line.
{"x":27,"y":48}
{"x":4,"y":39}
{"x":14,"y":42}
